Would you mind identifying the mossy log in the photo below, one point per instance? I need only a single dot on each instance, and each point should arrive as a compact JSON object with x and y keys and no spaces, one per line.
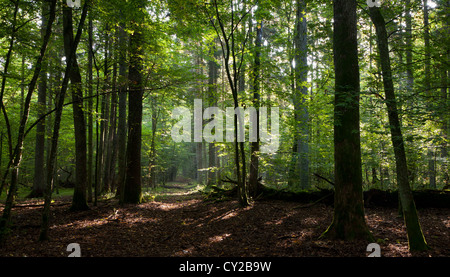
{"x":372,"y":197}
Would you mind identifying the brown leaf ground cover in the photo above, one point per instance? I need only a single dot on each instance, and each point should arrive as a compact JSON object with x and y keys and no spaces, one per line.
{"x":184,"y":225}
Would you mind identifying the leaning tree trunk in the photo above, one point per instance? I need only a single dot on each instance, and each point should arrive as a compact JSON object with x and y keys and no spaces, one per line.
{"x":2,"y":91}
{"x":79,"y":201}
{"x":57,"y":123}
{"x":348,"y":219}
{"x":17,"y":157}
{"x":415,"y":236}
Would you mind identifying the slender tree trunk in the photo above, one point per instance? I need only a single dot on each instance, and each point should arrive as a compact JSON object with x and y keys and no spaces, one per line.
{"x":415,"y":236}
{"x":348,"y":218}
{"x":228,"y":44}
{"x":2,"y":91}
{"x":39,"y":152}
{"x":426,"y":38}
{"x":17,"y":156}
{"x":90,"y":145}
{"x":113,"y":132}
{"x":79,"y":195}
{"x":106,"y":116}
{"x":212,"y":101}
{"x":300,"y":95}
{"x":4,"y":221}
{"x":445,"y":72}
{"x":409,"y":42}
{"x":122,"y":120}
{"x":254,"y":146}
{"x":152,"y":158}
{"x":57,"y":122}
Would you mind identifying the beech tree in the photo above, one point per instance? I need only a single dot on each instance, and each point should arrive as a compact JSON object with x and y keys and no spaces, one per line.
{"x":348,"y":217}
{"x":132,"y":187}
{"x":79,"y":197}
{"x":415,"y":236}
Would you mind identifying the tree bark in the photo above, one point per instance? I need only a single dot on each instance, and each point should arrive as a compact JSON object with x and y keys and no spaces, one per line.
{"x":415,"y":236}
{"x":348,"y":218}
{"x":132,"y":188}
{"x":300,"y":95}
{"x":254,"y":146}
{"x":90,"y":146}
{"x":122,"y":120}
{"x":212,"y":101}
{"x":39,"y":153}
{"x":57,"y":122}
{"x":79,"y":201}
{"x":426,"y":38}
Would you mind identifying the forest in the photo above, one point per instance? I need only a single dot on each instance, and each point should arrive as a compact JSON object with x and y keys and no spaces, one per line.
{"x":225,"y":128}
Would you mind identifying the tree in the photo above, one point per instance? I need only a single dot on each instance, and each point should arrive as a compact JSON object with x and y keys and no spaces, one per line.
{"x":39,"y":154}
{"x":213,"y":69}
{"x":300,"y":96}
{"x":416,"y":239}
{"x":254,"y":146}
{"x":122,"y":119}
{"x":226,"y":27}
{"x":79,"y":201}
{"x":43,"y":235}
{"x":90,"y":143}
{"x":348,"y":217}
{"x":132,"y":187}
{"x":17,"y":156}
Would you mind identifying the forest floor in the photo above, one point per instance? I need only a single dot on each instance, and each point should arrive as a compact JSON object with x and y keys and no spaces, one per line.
{"x":179,"y":222}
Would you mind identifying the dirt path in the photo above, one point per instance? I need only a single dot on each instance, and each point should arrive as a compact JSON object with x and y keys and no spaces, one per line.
{"x":179,"y":223}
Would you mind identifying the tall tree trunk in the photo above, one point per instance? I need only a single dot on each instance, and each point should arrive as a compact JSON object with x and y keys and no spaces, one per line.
{"x":132,"y":188}
{"x":113,"y":132}
{"x":300,"y":95}
{"x":254,"y":146}
{"x":415,"y":236}
{"x":39,"y":153}
{"x":90,"y":149}
{"x":106,"y":116}
{"x":57,"y":122}
{"x":122,"y":120}
{"x":212,"y":101}
{"x":2,"y":91}
{"x":152,"y":157}
{"x":445,"y":72}
{"x":198,"y":138}
{"x":348,"y":218}
{"x":426,"y":38}
{"x":79,"y":201}
{"x":409,"y":43}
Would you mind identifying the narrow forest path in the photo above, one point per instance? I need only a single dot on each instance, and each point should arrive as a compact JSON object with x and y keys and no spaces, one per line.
{"x":179,"y":222}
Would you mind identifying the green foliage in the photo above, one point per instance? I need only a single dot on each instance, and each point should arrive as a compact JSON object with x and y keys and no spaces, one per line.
{"x":178,"y":39}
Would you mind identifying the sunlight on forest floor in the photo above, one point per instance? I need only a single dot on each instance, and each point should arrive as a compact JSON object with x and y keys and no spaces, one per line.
{"x":179,"y":222}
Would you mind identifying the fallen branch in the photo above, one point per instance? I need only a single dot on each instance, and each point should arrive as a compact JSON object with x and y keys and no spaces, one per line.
{"x":315,"y":202}
{"x":323,"y":178}
{"x":39,"y":205}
